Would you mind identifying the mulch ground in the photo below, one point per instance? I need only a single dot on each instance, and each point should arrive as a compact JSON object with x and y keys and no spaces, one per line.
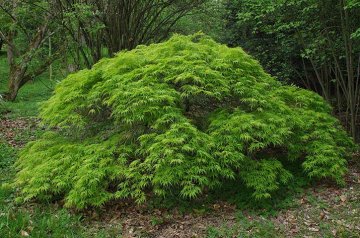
{"x":11,"y":130}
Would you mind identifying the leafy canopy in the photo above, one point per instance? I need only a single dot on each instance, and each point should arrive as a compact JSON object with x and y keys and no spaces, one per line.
{"x":183,"y":116}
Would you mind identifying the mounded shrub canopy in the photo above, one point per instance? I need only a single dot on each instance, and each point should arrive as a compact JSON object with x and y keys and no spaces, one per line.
{"x":182,"y":116}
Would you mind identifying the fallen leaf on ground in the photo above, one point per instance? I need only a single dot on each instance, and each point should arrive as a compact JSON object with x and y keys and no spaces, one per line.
{"x":314,"y":229}
{"x":24,"y":233}
{"x":343,"y":198}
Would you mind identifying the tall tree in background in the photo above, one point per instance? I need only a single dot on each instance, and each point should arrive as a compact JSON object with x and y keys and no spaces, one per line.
{"x":88,"y":29}
{"x":25,"y":29}
{"x":104,"y":27}
{"x":307,"y":42}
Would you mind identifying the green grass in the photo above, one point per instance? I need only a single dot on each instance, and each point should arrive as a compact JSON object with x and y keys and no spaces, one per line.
{"x":260,"y":228}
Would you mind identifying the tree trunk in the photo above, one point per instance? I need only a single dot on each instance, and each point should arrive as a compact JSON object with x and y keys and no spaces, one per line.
{"x":13,"y":91}
{"x":16,"y":80}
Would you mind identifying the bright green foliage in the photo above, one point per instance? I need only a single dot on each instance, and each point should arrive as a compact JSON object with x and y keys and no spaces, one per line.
{"x":182,"y":117}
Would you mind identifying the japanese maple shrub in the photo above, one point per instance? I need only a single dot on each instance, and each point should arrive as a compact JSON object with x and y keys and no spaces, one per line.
{"x":183,"y":116}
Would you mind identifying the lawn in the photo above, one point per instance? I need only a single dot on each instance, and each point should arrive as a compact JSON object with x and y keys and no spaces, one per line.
{"x":319,"y":210}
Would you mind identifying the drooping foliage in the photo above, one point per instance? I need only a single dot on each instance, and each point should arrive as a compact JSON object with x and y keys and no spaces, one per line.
{"x":183,"y":116}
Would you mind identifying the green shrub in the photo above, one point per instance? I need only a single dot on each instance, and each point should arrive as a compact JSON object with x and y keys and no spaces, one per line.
{"x":182,"y":117}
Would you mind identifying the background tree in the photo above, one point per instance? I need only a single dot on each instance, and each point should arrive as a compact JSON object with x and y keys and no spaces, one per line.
{"x":306,"y":42}
{"x":104,"y":27}
{"x":25,"y":30}
{"x":88,"y":29}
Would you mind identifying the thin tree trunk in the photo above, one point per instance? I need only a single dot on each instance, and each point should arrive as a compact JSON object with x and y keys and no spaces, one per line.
{"x":350,"y":69}
{"x":16,"y":80}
